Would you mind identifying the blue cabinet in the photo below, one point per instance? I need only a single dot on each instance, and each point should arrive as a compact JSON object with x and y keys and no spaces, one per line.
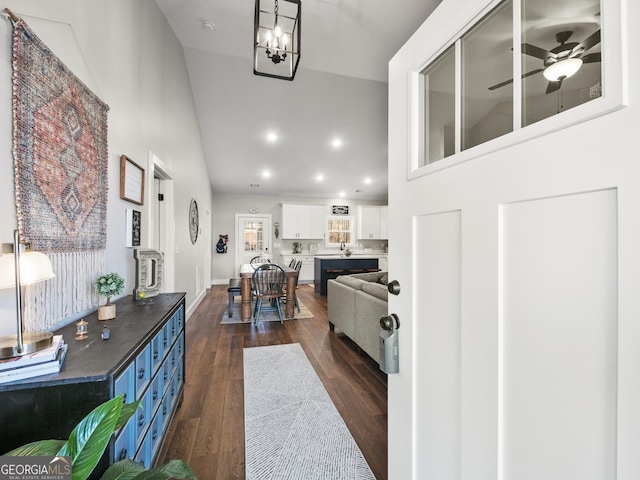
{"x":143,"y":359}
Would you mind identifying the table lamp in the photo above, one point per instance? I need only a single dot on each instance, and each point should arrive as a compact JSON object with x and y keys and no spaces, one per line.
{"x":18,"y":269}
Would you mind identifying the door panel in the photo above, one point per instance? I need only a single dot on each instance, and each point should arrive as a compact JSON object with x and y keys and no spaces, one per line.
{"x":559,"y":345}
{"x":437,"y":382}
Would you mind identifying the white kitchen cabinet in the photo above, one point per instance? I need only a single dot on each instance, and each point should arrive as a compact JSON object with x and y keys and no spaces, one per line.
{"x":372,"y":222}
{"x":303,"y":221}
{"x":383,"y":264}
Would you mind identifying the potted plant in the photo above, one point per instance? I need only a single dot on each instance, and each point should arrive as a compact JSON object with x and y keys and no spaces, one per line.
{"x":90,"y":438}
{"x":107,"y":286}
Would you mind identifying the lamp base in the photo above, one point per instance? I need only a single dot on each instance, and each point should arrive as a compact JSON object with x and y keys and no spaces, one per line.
{"x":31,"y":342}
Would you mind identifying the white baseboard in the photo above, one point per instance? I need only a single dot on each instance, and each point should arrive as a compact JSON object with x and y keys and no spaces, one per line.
{"x":192,"y":308}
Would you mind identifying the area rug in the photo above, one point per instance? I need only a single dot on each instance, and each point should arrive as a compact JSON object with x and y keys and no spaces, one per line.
{"x":61,"y":168}
{"x":292,"y":428}
{"x":270,"y":316}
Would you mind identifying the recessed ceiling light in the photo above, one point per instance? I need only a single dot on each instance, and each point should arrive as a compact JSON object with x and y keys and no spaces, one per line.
{"x":266,"y":174}
{"x":342,"y":194}
{"x":367,"y":180}
{"x":336,"y":143}
{"x":272,"y":137}
{"x":319,"y":178}
{"x":207,"y":25}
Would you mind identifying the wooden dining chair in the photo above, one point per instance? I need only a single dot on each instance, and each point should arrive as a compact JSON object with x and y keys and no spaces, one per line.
{"x":268,"y":282}
{"x":284,"y":297}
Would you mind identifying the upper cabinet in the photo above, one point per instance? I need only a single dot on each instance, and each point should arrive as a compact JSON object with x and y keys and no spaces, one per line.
{"x":303,"y":221}
{"x":372,"y":222}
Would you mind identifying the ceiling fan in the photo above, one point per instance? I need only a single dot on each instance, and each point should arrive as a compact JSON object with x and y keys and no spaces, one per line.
{"x":562,"y":61}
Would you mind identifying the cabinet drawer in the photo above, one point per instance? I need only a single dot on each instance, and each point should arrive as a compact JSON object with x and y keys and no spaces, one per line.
{"x":143,"y":370}
{"x":125,"y":444}
{"x":156,"y":432}
{"x":143,"y":457}
{"x":143,"y":415}
{"x":157,"y":390}
{"x":124,"y":384}
{"x":157,"y":350}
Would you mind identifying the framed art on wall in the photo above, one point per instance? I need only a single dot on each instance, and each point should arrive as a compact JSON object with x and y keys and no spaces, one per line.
{"x":131,"y":181}
{"x":133,"y":228}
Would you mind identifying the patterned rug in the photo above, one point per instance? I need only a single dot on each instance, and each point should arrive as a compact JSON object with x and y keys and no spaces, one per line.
{"x":270,"y":316}
{"x":292,"y":428}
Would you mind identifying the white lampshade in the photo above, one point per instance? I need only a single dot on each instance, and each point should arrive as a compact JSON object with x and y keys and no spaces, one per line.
{"x":562,"y":69}
{"x":34,"y":267}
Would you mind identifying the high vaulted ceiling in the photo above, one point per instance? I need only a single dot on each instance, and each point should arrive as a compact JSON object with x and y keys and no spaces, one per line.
{"x":338,"y":93}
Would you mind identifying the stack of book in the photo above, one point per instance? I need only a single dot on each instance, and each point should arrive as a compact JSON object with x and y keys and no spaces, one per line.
{"x":43,"y":362}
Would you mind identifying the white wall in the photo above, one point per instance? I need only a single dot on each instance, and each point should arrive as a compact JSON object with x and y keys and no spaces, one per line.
{"x":225,"y":207}
{"x":126,"y":53}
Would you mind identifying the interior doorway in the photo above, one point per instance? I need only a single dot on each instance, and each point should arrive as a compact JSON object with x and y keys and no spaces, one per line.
{"x":160,"y":231}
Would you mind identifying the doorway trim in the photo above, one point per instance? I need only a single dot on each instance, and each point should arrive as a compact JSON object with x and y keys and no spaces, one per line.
{"x":266,"y":239}
{"x":159,"y":170}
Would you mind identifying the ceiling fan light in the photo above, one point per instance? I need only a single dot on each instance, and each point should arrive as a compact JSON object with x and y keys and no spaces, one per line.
{"x":562,"y":69}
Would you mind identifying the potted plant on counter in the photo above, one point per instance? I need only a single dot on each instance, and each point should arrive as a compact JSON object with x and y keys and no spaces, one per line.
{"x":107,"y":286}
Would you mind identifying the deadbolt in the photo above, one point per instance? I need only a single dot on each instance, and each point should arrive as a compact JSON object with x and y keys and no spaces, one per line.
{"x":394,"y":287}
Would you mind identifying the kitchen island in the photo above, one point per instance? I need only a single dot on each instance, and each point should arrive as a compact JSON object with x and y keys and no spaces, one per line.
{"x":330,"y":266}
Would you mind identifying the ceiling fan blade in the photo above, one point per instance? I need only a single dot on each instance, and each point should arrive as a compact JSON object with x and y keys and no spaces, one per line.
{"x":590,"y":41}
{"x":554,"y":86}
{"x":537,"y":52}
{"x":507,"y":82}
{"x":592,"y":57}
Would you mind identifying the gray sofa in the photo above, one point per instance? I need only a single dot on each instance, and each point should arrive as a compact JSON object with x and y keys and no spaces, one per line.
{"x":355,"y":304}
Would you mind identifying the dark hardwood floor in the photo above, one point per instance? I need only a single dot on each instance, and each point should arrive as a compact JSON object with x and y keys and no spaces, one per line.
{"x":208,"y":429}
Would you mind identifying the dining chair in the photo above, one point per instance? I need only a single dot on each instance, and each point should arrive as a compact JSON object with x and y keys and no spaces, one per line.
{"x":283,"y":299}
{"x":260,"y":259}
{"x":268,"y":282}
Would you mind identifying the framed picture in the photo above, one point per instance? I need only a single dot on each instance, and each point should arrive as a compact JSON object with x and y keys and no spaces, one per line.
{"x":131,"y":181}
{"x":133,"y":227}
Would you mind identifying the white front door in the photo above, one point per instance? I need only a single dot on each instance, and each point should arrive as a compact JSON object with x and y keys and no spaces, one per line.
{"x":519,"y":312}
{"x":253,"y":232}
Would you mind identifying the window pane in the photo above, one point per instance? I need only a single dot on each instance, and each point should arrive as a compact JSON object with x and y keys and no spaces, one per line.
{"x":253,"y":241}
{"x":438,"y":115}
{"x":487,"y":61}
{"x":553,"y":32}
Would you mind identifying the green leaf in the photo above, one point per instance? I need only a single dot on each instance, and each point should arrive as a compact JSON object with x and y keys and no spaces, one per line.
{"x":173,"y":469}
{"x":128,"y":409}
{"x":39,"y":448}
{"x":90,"y":437}
{"x":123,"y":470}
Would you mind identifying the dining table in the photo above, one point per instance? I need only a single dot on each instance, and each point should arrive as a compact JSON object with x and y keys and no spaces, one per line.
{"x":246,"y":274}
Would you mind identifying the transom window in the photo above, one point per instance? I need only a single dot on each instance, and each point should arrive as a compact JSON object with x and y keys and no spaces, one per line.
{"x":468,"y":94}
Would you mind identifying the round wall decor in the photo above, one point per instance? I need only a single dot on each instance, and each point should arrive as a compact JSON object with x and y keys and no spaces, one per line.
{"x":194,"y":221}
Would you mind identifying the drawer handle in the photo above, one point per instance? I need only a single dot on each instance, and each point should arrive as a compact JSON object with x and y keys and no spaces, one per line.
{"x":172,"y":391}
{"x":164,"y":410}
{"x":123,"y":454}
{"x":165,"y":375}
{"x":141,"y":373}
{"x":155,"y":354}
{"x":124,"y":397}
{"x":165,"y":342}
{"x":155,"y":394}
{"x":141,"y":420}
{"x":155,"y":434}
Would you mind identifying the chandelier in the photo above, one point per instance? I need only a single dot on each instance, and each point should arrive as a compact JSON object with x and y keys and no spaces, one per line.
{"x":276,"y":31}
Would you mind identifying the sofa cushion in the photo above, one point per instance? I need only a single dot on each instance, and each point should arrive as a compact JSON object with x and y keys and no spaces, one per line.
{"x":351,"y":281}
{"x":376,"y":289}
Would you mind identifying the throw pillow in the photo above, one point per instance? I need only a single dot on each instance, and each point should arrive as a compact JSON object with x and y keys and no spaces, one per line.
{"x":384,"y":279}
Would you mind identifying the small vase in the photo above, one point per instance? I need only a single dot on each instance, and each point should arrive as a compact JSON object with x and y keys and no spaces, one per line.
{"x":106,"y":312}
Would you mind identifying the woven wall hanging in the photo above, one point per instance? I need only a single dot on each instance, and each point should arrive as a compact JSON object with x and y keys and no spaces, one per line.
{"x":61,"y":177}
